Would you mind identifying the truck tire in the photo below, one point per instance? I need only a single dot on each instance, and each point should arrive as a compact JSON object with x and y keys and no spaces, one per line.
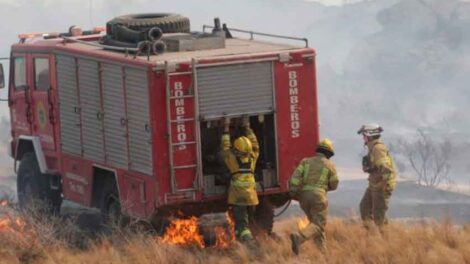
{"x":110,"y":205}
{"x":34,"y":191}
{"x":168,"y":23}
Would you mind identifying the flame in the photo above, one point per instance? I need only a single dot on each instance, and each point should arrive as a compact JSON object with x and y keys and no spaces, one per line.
{"x":14,"y":228}
{"x":9,"y":223}
{"x":184,"y":232}
{"x":303,"y":222}
{"x":224,"y":237}
{"x":12,"y":225}
{"x":221,"y":240}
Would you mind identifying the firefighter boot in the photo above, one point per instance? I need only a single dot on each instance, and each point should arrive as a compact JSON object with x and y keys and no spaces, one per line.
{"x":295,"y":243}
{"x":320,"y":243}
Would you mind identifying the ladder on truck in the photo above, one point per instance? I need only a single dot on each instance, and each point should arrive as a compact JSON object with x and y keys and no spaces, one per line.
{"x":193,"y":121}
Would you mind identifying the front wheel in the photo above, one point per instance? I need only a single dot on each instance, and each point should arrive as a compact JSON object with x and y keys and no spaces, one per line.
{"x":33,"y":187}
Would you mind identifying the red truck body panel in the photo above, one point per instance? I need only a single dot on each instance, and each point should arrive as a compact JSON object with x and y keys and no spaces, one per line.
{"x":36,"y":113}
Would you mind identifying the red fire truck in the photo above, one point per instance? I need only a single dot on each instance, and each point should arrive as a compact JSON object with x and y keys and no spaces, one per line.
{"x":127,"y":118}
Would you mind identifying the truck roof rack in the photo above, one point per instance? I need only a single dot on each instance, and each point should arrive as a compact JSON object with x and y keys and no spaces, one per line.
{"x":52,"y":35}
{"x":95,"y":44}
{"x":252,"y":33}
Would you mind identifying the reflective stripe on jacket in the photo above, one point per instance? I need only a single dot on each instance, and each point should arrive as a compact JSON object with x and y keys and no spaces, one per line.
{"x":315,"y":173}
{"x":242,"y":190}
{"x":382,"y":164}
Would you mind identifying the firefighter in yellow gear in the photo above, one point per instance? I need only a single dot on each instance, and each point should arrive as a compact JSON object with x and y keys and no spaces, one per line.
{"x":310,"y":182}
{"x":241,"y":163}
{"x":382,"y":177}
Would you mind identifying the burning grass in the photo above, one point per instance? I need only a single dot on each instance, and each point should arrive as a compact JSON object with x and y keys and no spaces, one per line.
{"x":186,"y":232}
{"x":58,"y":241}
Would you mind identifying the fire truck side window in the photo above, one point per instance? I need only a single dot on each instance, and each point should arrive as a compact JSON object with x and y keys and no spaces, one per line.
{"x":20,"y":73}
{"x":41,"y":74}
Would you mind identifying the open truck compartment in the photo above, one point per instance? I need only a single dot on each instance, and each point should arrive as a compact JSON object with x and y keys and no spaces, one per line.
{"x":229,"y":90}
{"x":279,"y":97}
{"x":216,"y":176}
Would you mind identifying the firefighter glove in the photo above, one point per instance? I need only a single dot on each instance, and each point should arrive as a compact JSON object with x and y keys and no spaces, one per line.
{"x":246,"y":121}
{"x":366,"y":166}
{"x":226,"y":124}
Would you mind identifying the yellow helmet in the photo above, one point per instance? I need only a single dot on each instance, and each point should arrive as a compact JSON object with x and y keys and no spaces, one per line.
{"x":326,"y":144}
{"x":243,"y":145}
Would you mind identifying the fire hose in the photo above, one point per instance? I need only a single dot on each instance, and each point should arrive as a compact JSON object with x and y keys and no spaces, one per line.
{"x":284,"y":209}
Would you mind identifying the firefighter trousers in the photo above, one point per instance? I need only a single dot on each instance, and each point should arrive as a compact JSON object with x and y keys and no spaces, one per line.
{"x":315,"y":206}
{"x":242,"y":216}
{"x":374,"y":204}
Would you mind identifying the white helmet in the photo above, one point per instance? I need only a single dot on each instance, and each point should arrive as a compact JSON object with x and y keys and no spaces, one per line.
{"x":370,"y":130}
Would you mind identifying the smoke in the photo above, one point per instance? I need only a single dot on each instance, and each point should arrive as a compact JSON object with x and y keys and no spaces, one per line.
{"x":411,"y":73}
{"x":402,"y":63}
{"x":336,"y":2}
{"x":7,"y":178}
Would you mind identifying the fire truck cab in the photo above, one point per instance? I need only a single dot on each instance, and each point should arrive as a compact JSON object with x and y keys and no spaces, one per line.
{"x":137,"y":130}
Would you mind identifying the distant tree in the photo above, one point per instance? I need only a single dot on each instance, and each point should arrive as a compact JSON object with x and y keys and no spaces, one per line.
{"x":428,"y":158}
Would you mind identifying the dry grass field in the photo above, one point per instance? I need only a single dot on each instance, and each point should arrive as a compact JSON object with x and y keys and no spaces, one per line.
{"x":24,"y":239}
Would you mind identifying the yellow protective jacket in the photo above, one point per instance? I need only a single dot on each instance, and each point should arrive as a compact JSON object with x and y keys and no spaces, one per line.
{"x":242,"y":189}
{"x":382,"y":164}
{"x":316,"y":173}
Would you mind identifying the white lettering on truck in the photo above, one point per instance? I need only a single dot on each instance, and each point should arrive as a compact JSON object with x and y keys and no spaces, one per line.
{"x":294,"y":104}
{"x":181,"y":135}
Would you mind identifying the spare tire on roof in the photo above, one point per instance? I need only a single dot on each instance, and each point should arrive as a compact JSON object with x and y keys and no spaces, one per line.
{"x":168,"y":23}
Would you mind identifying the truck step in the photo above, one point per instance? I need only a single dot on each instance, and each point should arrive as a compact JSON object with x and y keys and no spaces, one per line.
{"x":182,"y":120}
{"x":184,"y":167}
{"x":183,"y":143}
{"x":181,"y":97}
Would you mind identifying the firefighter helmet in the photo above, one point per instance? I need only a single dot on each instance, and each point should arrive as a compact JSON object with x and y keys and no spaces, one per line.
{"x":370,"y":130}
{"x":327,"y":145}
{"x":243,"y":145}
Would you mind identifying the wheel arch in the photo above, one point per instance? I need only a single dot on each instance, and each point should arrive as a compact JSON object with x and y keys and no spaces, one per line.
{"x":101,"y":176}
{"x":32,"y":144}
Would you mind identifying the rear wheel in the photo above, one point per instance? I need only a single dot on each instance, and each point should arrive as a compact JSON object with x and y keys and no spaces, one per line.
{"x":34,"y":189}
{"x":160,"y":223}
{"x":110,"y":205}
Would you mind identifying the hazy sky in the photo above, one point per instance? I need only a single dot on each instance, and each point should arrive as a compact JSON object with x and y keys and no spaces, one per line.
{"x":336,"y":2}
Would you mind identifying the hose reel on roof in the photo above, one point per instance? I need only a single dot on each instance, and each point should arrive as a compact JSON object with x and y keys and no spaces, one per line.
{"x":144,"y":31}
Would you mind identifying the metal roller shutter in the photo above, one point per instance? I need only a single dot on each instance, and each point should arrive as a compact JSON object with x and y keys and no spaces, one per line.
{"x":114,"y":116}
{"x":137,"y":95}
{"x":235,"y":89}
{"x":88,"y":80}
{"x":68,"y":106}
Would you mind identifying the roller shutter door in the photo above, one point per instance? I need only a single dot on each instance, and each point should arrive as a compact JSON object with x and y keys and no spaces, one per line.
{"x":235,"y":89}
{"x":140,"y":147}
{"x":114,"y":115}
{"x":68,"y":105}
{"x":90,"y":102}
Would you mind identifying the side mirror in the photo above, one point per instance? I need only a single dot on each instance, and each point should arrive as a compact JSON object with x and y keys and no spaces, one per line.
{"x":2,"y":77}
